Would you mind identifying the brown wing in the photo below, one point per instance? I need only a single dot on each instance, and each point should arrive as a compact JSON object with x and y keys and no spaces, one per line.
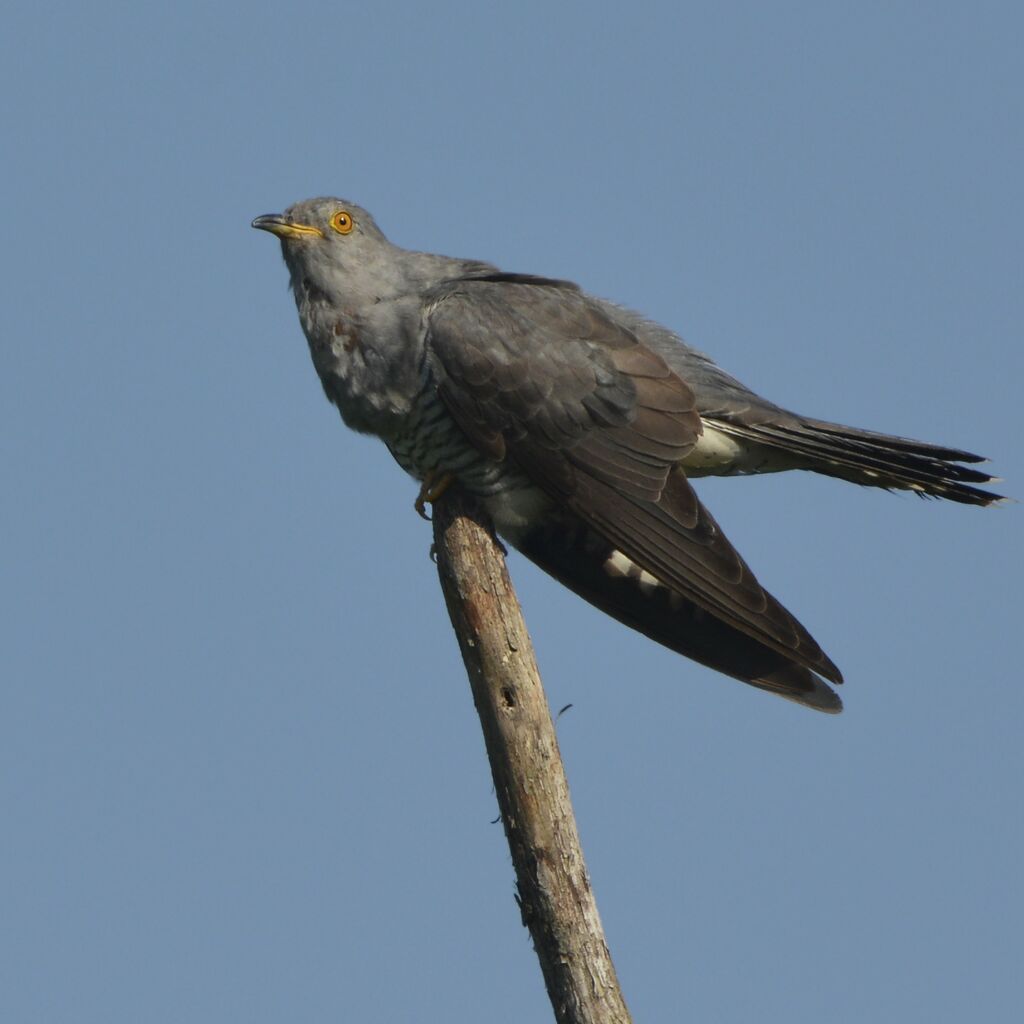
{"x":541,"y":375}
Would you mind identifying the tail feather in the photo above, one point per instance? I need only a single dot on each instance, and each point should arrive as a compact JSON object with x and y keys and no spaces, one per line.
{"x":873,"y":459}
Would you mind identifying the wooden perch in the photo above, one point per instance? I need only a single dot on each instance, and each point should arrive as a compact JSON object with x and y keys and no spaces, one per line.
{"x":554,"y":889}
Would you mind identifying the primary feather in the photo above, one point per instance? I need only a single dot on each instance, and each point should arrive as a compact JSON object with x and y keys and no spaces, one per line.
{"x":579,"y":424}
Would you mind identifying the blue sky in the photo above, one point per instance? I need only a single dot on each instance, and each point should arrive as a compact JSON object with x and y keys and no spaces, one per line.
{"x":240,"y":773}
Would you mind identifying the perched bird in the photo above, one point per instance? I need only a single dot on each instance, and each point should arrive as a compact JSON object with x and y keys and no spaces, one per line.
{"x":579,"y":424}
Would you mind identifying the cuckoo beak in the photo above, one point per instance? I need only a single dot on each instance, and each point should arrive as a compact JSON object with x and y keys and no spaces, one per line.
{"x":283,"y":228}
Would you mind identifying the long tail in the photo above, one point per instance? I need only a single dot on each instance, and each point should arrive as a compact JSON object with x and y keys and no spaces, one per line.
{"x":876,"y":460}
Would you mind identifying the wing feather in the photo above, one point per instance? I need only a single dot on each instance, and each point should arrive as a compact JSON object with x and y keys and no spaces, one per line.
{"x":601,"y":422}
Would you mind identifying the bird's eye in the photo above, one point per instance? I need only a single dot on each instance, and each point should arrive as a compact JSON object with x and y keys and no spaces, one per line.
{"x":342,"y":222}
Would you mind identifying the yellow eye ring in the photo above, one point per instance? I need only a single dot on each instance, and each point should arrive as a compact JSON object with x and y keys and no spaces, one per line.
{"x":342,"y":222}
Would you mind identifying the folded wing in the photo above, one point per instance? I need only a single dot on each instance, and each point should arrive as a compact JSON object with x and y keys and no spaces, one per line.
{"x":538,"y":373}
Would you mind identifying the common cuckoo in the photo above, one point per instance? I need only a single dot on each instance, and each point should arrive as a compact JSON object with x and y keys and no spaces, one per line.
{"x":579,"y":425}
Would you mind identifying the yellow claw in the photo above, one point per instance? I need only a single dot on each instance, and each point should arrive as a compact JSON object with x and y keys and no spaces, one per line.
{"x":435,"y":483}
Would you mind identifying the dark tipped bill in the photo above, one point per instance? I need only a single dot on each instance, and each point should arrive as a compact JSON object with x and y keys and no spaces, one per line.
{"x":283,"y":228}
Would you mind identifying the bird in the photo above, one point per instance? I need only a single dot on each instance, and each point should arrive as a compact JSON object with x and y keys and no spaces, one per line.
{"x":579,"y":424}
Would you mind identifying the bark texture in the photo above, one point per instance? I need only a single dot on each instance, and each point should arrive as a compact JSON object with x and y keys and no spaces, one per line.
{"x":555,"y":895}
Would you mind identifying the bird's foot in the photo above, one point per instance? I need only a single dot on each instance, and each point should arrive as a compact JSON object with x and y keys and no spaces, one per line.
{"x":434,"y":485}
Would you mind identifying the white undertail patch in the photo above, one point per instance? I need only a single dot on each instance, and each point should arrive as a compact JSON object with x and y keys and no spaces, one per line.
{"x":720,"y":453}
{"x":714,"y":450}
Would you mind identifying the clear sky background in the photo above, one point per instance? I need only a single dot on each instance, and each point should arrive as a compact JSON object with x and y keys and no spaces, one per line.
{"x":240,"y":772}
